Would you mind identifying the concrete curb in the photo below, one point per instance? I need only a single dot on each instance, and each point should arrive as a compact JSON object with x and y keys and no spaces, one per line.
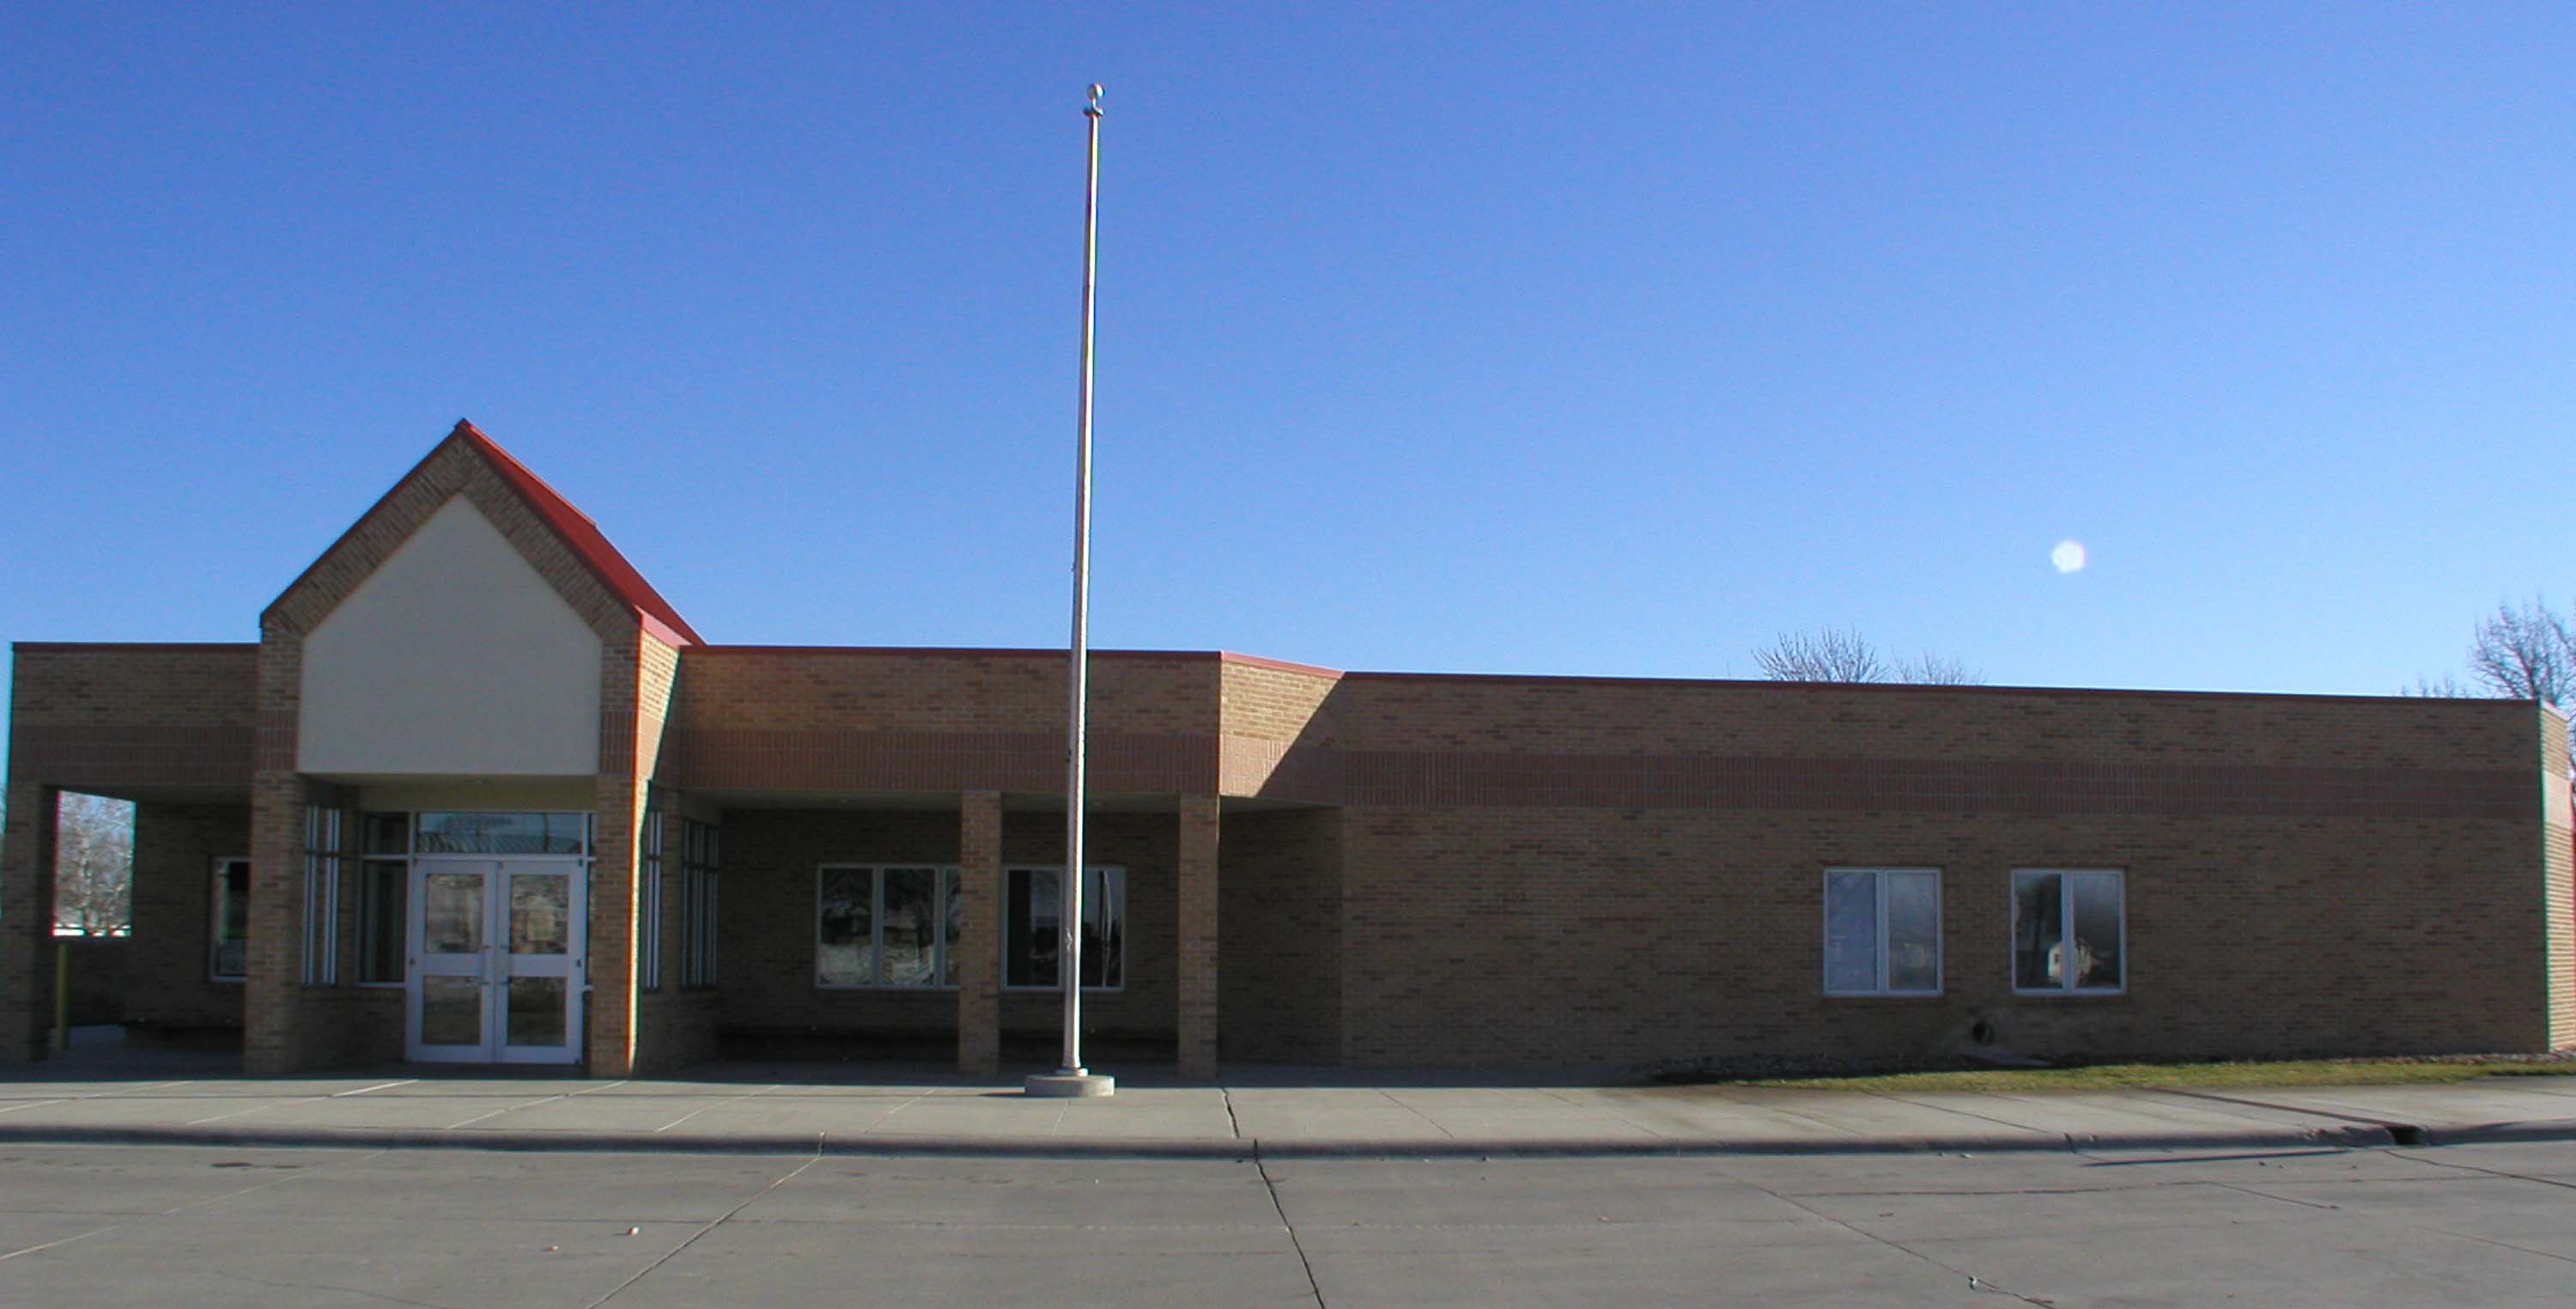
{"x":2357,"y":1136}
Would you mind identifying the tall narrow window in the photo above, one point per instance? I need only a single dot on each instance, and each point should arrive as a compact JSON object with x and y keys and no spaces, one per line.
{"x":1882,"y":931}
{"x":228,"y":937}
{"x":1033,"y":926}
{"x":648,"y":907}
{"x":2070,"y":930}
{"x":698,"y":863}
{"x":384,"y":890}
{"x":321,"y":895}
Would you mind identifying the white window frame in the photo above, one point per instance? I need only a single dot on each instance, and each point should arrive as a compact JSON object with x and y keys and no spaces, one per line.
{"x":1878,"y":948}
{"x":321,"y":895}
{"x":949,"y":879}
{"x":2065,"y":933}
{"x":215,"y":917}
{"x":1109,"y":873}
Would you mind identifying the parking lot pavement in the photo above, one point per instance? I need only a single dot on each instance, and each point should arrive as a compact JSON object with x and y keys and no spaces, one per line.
{"x":125,"y":1225}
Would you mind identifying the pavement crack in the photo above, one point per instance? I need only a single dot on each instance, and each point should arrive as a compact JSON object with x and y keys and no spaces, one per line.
{"x":1435,"y":1123}
{"x":694,"y":1237}
{"x":1272,"y":1184}
{"x":2492,"y":1172}
{"x":1232,"y":1123}
{"x":1975,"y":1283}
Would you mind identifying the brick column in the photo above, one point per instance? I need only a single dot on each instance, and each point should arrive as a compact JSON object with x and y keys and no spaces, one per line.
{"x":276,"y":1038}
{"x":979,"y":953}
{"x":27,"y":922}
{"x":1195,"y":948}
{"x":618,"y":809}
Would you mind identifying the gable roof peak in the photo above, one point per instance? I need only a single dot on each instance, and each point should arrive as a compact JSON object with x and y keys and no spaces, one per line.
{"x":568,"y":524}
{"x":583,"y":537}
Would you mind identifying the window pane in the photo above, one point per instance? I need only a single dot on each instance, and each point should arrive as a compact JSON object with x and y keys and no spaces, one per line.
{"x":540,"y":914}
{"x":451,"y":1010}
{"x":911,"y":927}
{"x":387,"y":833}
{"x":502,"y":833}
{"x":2097,"y":930}
{"x":956,"y":914}
{"x":1851,"y":932}
{"x":2035,"y":930}
{"x":1104,"y":928}
{"x":452,"y":913}
{"x":1031,"y":923}
{"x":536,"y":1011}
{"x":232,"y":918}
{"x":845,"y":915}
{"x":380,"y":922}
{"x":1913,"y":931}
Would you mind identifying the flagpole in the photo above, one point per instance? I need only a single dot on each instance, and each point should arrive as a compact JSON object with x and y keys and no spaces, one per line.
{"x":1072,"y":1079}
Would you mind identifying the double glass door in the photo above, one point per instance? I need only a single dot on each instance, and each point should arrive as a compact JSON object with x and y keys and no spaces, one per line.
{"x":496,"y":960}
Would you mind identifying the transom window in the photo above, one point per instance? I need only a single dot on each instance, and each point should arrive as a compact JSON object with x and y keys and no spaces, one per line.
{"x":1882,"y":931}
{"x":2070,"y":930}
{"x":502,"y":833}
{"x":886,"y":926}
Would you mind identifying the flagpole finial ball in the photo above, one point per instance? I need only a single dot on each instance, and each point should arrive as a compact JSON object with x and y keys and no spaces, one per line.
{"x":1095,"y":93}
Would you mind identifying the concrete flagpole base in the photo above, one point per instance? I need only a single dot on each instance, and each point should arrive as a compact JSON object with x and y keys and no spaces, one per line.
{"x":1069,"y":1083}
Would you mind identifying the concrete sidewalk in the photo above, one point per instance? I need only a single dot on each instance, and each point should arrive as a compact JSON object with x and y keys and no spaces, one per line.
{"x":1271,"y":1112}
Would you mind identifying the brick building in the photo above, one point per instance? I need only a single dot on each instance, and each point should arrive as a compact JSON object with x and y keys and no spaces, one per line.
{"x":480,"y":794}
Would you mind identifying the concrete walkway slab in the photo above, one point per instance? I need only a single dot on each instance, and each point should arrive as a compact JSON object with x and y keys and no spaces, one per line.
{"x":846,"y":1109}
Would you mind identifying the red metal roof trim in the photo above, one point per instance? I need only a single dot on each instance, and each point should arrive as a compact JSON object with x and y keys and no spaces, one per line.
{"x":585,"y":540}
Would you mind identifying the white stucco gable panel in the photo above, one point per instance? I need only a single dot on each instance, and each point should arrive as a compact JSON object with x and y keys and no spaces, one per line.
{"x":455,"y":657}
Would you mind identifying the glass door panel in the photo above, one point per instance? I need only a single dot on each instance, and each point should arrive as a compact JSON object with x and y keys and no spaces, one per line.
{"x":538,"y":975}
{"x":447,"y":1013}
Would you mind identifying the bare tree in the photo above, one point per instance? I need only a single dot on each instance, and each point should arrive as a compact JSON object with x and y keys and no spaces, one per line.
{"x":2527,"y":653}
{"x":1835,"y":655}
{"x":1830,"y":655}
{"x":1939,"y":670}
{"x":94,"y":865}
{"x":2445,"y":687}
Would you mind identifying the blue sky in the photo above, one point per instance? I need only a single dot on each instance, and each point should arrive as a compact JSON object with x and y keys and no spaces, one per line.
{"x":1455,"y":338}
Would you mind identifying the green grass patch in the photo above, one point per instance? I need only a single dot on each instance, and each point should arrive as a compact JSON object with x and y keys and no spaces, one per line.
{"x":2219,"y":1076}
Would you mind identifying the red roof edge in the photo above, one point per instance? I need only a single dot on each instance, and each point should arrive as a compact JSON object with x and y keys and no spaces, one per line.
{"x":585,"y":539}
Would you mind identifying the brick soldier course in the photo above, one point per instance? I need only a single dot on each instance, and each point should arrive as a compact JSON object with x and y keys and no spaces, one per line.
{"x":1326,"y":867}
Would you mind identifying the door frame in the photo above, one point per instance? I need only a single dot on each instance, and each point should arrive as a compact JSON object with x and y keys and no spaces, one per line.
{"x":498,"y":964}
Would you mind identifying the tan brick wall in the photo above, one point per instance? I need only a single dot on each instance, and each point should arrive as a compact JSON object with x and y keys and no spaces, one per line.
{"x":26,"y":916}
{"x":1591,"y":937}
{"x":1278,"y":727}
{"x":109,"y":718}
{"x":1195,"y":950}
{"x":979,"y":983}
{"x":175,"y":848}
{"x":609,"y":1029}
{"x":1566,"y":716}
{"x":938,"y":721}
{"x":1280,"y":888}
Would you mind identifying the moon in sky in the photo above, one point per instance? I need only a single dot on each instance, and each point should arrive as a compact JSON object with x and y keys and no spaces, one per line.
{"x":2068,"y":556}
